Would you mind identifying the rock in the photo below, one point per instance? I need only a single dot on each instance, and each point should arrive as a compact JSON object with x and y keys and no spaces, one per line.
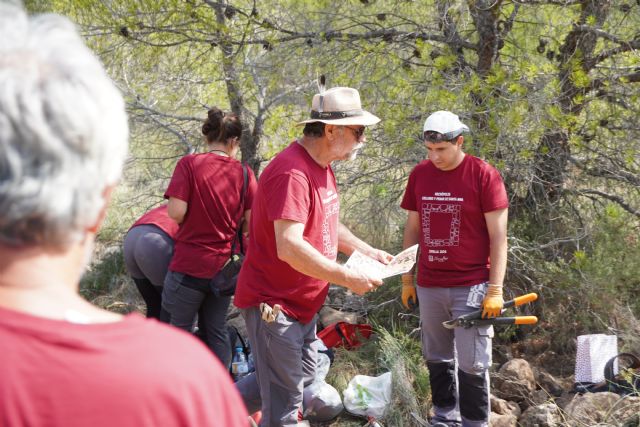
{"x":538,"y":397}
{"x":554,"y":363}
{"x":501,"y":354}
{"x":633,"y":421}
{"x":503,"y":407}
{"x":514,"y":381}
{"x":329,"y":315}
{"x":545,"y":415}
{"x":498,"y":420}
{"x":604,"y":407}
{"x":547,"y":382}
{"x":628,"y":411}
{"x":564,"y":399}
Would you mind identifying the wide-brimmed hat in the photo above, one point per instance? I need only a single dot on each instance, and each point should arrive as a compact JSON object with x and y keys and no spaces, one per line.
{"x":339,"y":106}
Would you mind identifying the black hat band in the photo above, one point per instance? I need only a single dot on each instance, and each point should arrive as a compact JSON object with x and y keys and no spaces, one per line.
{"x":334,"y":115}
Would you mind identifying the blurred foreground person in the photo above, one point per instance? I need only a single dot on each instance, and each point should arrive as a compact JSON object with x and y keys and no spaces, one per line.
{"x":148,"y":248}
{"x":63,"y":361}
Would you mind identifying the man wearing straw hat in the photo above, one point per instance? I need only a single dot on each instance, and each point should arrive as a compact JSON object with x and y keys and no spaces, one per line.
{"x":295,"y":237}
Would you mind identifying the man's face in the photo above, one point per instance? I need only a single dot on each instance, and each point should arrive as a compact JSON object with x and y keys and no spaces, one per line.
{"x":353,"y":140}
{"x":445,"y":155}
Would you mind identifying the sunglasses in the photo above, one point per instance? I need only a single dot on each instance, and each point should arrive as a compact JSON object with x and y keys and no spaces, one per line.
{"x":358,"y":132}
{"x":433,"y":136}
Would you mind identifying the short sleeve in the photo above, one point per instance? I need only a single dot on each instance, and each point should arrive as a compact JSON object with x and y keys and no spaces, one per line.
{"x":252,"y":187}
{"x":409,"y":199}
{"x":288,"y":196}
{"x":181,"y":182}
{"x":494,"y":193}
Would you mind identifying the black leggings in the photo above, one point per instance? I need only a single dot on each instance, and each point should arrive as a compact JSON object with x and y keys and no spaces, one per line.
{"x":152,"y":296}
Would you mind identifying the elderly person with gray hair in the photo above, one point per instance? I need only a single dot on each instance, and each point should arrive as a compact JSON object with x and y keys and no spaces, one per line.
{"x":63,"y":140}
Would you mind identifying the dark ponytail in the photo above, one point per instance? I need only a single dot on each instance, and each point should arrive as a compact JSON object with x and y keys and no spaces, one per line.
{"x":220,"y":126}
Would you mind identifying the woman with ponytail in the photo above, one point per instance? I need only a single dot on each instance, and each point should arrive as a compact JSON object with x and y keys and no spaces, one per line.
{"x":205,"y":199}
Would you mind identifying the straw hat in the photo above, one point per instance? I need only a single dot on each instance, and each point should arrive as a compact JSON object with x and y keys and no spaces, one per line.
{"x":339,"y":106}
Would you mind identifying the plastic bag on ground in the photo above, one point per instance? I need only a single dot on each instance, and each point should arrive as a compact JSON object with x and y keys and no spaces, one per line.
{"x":321,"y":402}
{"x":368,"y":396}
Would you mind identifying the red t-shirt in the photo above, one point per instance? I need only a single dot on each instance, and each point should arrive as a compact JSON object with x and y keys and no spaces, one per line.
{"x":454,"y":241}
{"x":136,"y":372}
{"x":160,"y":218}
{"x":211,"y":186}
{"x":293,"y":187}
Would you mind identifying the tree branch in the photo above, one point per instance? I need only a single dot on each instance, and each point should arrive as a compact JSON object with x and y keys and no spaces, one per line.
{"x":616,"y":199}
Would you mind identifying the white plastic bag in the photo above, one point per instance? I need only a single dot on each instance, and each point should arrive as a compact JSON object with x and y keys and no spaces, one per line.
{"x":321,"y":402}
{"x":368,"y":396}
{"x":592,"y":354}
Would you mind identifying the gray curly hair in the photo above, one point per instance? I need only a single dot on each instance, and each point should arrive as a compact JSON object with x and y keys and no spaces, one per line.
{"x":63,"y":131}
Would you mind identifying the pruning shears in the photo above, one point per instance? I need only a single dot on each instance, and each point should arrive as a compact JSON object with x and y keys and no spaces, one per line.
{"x":475,"y":318}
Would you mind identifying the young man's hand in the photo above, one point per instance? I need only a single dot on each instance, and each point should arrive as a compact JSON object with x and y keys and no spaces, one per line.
{"x":493,"y":302}
{"x":409,"y":297}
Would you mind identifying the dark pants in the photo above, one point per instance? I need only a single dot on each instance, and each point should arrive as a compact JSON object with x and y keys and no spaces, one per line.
{"x":152,"y":296}
{"x":185,"y":296}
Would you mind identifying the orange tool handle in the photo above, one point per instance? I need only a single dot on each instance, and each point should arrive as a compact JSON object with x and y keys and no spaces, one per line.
{"x":526,"y":320}
{"x":525,"y":299}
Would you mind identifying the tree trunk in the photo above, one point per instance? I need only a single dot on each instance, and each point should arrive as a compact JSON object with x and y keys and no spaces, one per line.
{"x":551,"y":160}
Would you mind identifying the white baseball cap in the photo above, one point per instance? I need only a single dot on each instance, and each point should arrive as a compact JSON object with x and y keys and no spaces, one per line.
{"x":445,"y":123}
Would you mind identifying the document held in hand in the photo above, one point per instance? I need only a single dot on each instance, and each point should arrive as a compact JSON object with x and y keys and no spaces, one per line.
{"x":400,"y":263}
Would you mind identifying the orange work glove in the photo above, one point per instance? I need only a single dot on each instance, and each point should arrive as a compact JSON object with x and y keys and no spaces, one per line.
{"x":493,"y":302}
{"x":409,"y":297}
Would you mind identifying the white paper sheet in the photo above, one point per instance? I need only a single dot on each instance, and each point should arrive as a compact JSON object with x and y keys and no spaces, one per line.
{"x":400,"y":264}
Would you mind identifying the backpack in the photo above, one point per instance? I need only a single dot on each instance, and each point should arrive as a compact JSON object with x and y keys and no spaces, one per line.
{"x":627,"y":383}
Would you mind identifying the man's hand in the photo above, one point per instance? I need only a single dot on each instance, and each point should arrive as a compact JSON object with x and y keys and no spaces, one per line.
{"x":381,"y":256}
{"x":360,"y":283}
{"x":409,"y":298}
{"x":493,"y":302}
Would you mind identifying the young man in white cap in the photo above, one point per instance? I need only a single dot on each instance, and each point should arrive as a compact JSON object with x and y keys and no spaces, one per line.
{"x":457,"y":207}
{"x":295,"y":237}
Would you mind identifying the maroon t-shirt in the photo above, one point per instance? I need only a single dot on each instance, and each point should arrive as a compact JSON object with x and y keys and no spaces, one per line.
{"x":211,"y":186}
{"x":160,"y":218}
{"x":292,"y":187}
{"x":454,"y":241}
{"x":133,"y":373}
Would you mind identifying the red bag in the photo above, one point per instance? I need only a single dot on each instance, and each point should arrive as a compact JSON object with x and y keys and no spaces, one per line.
{"x":343,"y":333}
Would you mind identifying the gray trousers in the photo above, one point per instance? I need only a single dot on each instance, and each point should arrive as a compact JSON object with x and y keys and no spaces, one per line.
{"x":458,"y":360}
{"x":184,"y":297}
{"x":284,"y":359}
{"x":147,"y":253}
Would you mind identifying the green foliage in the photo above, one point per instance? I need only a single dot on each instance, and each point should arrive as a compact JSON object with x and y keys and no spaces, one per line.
{"x":554,"y":112}
{"x":593,"y":287}
{"x":102,"y":276}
